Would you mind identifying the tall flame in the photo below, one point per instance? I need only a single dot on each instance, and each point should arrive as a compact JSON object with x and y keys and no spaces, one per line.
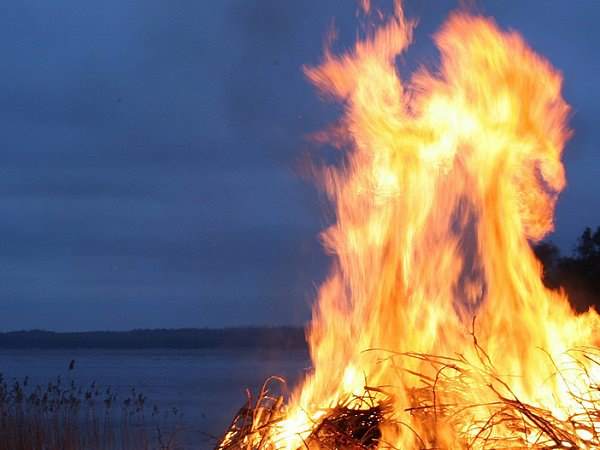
{"x":447,"y":179}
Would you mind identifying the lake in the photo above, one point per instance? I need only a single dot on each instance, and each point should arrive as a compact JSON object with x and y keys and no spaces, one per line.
{"x":206,"y":386}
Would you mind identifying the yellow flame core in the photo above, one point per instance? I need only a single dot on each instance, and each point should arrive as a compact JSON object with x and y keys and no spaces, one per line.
{"x":447,"y":179}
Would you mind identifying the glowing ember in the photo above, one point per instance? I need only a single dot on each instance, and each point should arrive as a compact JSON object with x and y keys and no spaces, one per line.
{"x":447,"y":178}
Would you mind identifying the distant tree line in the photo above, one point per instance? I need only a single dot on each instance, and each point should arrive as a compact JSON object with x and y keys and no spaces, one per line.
{"x":578,"y":274}
{"x":286,"y":338}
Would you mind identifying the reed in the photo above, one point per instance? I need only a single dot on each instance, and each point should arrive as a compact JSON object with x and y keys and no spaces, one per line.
{"x":61,"y":415}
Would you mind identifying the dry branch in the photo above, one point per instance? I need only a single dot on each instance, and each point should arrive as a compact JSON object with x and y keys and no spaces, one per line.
{"x":502,"y":421}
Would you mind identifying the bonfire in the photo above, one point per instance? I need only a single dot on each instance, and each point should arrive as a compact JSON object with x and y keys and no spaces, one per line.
{"x":434,"y":329}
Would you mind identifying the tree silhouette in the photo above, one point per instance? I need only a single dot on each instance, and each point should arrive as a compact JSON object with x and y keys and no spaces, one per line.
{"x":578,"y":274}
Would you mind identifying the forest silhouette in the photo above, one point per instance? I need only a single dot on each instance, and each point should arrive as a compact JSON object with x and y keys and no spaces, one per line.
{"x":578,"y":274}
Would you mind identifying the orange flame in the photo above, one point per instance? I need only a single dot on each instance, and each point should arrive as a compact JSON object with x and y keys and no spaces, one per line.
{"x":447,"y":179}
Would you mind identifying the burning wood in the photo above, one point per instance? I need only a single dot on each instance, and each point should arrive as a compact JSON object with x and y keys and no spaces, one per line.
{"x":447,"y":178}
{"x":353,"y":424}
{"x":505,"y":422}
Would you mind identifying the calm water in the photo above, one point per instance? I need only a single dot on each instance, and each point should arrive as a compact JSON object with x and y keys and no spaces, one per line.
{"x":207,"y":387}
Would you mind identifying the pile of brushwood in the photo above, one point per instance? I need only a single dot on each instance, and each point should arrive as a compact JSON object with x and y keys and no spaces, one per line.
{"x":502,"y":421}
{"x":352,"y":424}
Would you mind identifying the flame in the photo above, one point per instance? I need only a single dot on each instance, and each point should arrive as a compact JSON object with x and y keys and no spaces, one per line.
{"x":447,"y":179}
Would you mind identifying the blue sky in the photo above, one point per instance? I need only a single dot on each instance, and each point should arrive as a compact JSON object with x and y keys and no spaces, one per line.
{"x":152,"y":152}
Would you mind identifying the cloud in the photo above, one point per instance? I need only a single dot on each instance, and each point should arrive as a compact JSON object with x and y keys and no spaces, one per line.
{"x":149,"y":154}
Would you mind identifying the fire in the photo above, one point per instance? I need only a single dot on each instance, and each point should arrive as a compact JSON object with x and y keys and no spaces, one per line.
{"x":435,"y":297}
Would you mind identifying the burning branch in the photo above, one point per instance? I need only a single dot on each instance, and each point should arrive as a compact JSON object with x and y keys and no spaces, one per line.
{"x":503,"y":421}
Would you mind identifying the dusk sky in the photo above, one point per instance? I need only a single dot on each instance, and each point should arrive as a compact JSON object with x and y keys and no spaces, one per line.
{"x":152,"y":153}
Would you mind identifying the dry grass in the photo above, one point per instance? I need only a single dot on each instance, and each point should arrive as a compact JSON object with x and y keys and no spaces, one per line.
{"x":501,"y":421}
{"x":64,"y":416}
{"x":504,"y":421}
{"x":255,"y":419}
{"x":353,"y":424}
